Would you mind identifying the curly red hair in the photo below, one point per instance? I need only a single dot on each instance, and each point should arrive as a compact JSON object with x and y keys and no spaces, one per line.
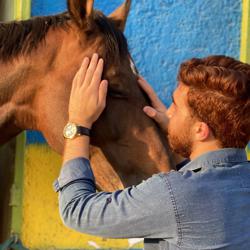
{"x":219,"y":95}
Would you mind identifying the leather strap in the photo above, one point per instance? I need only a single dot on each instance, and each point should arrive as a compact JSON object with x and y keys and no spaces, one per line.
{"x":83,"y":131}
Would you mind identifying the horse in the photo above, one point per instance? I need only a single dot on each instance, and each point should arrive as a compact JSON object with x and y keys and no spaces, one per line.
{"x":39,"y":58}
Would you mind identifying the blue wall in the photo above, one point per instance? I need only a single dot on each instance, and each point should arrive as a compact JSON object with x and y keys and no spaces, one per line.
{"x":163,"y":33}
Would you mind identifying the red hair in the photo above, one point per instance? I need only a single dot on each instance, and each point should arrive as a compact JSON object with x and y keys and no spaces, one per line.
{"x":219,"y":95}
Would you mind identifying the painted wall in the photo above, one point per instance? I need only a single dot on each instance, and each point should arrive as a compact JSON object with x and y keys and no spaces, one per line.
{"x":161,"y":34}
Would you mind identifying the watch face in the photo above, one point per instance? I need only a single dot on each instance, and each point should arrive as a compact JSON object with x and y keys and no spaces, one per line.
{"x":70,"y":131}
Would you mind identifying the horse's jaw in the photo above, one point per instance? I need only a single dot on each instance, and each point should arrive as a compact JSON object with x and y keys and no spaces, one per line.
{"x":106,"y":177}
{"x":112,"y":172}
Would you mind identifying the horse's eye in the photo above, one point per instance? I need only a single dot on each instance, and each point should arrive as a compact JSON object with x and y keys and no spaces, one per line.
{"x":117,"y":94}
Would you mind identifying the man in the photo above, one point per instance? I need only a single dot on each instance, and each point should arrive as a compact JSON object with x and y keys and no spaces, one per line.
{"x":203,"y":205}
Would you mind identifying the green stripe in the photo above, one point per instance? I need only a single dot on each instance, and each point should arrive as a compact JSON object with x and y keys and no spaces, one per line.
{"x":21,"y":11}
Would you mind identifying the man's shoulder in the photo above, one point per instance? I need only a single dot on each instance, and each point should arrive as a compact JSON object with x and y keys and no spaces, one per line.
{"x":214,"y":182}
{"x":196,"y":175}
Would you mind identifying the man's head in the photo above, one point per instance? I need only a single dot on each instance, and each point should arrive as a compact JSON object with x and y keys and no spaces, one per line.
{"x":211,"y":105}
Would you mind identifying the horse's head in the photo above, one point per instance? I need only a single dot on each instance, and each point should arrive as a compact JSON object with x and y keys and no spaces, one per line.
{"x":129,"y":140}
{"x":125,"y":142}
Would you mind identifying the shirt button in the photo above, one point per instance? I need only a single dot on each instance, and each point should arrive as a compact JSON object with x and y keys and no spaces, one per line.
{"x":109,"y":200}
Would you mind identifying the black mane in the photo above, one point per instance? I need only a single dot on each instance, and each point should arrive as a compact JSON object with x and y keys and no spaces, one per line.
{"x":21,"y":37}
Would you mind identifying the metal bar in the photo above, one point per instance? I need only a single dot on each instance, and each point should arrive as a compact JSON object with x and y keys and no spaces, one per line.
{"x":21,"y":11}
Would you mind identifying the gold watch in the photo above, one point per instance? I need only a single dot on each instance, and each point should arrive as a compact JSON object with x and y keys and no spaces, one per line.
{"x":72,"y":130}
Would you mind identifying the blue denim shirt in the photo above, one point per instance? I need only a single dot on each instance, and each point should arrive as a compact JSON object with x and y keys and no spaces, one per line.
{"x":204,"y":205}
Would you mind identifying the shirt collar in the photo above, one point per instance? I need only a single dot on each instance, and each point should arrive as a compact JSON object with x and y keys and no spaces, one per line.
{"x":225,"y":155}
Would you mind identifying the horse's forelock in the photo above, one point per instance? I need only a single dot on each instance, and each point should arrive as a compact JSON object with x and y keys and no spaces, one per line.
{"x":115,"y":43}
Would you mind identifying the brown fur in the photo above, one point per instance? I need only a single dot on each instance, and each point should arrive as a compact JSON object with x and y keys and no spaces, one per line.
{"x":35,"y":82}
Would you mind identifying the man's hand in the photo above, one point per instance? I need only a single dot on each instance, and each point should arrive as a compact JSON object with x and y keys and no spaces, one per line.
{"x":88,"y":93}
{"x":158,"y":111}
{"x":87,"y":101}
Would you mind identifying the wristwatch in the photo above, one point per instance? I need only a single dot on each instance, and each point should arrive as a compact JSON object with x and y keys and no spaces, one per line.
{"x":72,"y":130}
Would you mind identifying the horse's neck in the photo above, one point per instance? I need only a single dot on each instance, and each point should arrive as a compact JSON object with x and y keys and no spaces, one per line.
{"x":20,"y":79}
{"x":13,"y":99}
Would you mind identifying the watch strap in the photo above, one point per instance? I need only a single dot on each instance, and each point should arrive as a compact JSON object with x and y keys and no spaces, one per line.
{"x":83,"y":131}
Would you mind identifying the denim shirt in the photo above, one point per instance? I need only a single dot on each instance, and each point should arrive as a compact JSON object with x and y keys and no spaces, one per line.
{"x":204,"y":205}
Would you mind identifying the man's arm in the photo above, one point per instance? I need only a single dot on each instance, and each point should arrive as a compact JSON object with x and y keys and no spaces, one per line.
{"x":145,"y":210}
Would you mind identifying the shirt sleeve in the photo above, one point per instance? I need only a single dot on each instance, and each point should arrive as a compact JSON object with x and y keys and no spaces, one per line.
{"x":145,"y":210}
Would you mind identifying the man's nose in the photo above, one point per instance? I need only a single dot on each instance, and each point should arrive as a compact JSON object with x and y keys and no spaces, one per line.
{"x":169,"y":111}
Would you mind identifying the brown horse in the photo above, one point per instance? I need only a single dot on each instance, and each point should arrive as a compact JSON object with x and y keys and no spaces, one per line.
{"x":39,"y":58}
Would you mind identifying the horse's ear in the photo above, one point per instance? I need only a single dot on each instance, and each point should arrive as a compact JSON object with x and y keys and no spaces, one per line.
{"x":119,"y":16}
{"x":81,"y":11}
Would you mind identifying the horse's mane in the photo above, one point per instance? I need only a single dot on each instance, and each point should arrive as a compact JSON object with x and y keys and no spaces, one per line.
{"x":22,"y":37}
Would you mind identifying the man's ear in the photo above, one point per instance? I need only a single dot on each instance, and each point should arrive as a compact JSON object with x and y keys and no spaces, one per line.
{"x":119,"y":16}
{"x":81,"y":11}
{"x":201,"y":131}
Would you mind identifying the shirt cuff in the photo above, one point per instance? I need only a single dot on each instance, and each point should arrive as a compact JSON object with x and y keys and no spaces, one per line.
{"x":72,"y":171}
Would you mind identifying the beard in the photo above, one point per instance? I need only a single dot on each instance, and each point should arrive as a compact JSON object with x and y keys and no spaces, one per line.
{"x":181,"y":143}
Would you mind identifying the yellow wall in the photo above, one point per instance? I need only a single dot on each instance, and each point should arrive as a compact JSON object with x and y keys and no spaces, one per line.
{"x":41,"y":226}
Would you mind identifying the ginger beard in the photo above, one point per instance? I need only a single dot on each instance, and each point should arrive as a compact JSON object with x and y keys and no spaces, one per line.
{"x":180,"y":138}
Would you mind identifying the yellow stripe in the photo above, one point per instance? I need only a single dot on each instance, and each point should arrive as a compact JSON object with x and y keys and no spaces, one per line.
{"x":245,"y":32}
{"x":22,"y":9}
